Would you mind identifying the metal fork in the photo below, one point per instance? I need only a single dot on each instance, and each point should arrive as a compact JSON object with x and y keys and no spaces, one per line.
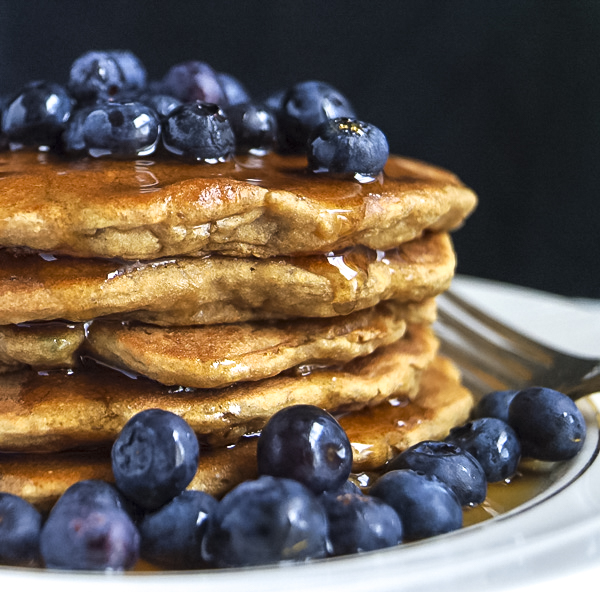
{"x":493,"y":356}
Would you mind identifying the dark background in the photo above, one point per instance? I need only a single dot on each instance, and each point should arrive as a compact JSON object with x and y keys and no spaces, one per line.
{"x":504,"y":93}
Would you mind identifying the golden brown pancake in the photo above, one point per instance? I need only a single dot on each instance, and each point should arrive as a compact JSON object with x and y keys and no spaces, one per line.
{"x":441,"y":404}
{"x":209,"y":356}
{"x":249,"y":206}
{"x":42,"y":346}
{"x":218,"y":289}
{"x":90,"y":406}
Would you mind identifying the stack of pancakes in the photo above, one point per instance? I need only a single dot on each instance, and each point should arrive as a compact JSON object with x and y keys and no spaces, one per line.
{"x":222,"y":293}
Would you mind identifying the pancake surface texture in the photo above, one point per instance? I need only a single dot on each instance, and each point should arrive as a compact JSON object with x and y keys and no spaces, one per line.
{"x":88,"y":407}
{"x":376,"y":435}
{"x":249,"y":206}
{"x":218,"y":289}
{"x":219,"y":355}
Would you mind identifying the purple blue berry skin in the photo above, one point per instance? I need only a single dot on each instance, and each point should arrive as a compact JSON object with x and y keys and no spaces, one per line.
{"x":426,"y":506}
{"x":266,"y":521}
{"x":20,"y":527}
{"x":163,"y":104}
{"x":345,"y":145}
{"x":493,"y":443}
{"x":359,"y":523}
{"x":154,"y":458}
{"x":494,"y":404}
{"x":171,"y":537}
{"x":450,"y":464}
{"x":38,"y":115}
{"x":100,"y":75}
{"x":305,"y":443}
{"x":234,"y":91}
{"x":303,"y":108}
{"x":254,"y":127}
{"x":549,"y":425}
{"x":120,"y":130}
{"x":194,"y":81}
{"x":198,"y":132}
{"x":88,"y":529}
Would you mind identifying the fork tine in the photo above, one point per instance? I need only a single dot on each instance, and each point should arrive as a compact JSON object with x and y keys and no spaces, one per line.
{"x":496,"y":330}
{"x":469,"y":348}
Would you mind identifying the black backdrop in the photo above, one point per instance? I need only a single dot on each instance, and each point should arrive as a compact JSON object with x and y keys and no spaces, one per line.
{"x":504,"y":93}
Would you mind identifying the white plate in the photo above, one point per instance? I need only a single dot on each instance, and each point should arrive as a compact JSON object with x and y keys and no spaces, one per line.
{"x":551,"y":543}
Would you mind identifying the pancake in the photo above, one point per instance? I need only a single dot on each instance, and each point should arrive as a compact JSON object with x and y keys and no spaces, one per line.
{"x":249,"y":206}
{"x":441,"y":404}
{"x":218,"y":289}
{"x":90,"y":406}
{"x":51,"y":345}
{"x":212,"y":356}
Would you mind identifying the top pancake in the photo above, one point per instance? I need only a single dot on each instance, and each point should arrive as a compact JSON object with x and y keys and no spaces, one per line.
{"x":250,"y":206}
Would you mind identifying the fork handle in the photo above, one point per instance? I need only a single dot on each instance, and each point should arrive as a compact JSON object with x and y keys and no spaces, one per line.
{"x":588,"y":385}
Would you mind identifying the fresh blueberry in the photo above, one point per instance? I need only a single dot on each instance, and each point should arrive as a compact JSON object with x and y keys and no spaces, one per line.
{"x":94,"y":492}
{"x":20,"y":526}
{"x":73,"y":139}
{"x":450,"y":464}
{"x":344,"y":145}
{"x":305,"y":443}
{"x":120,"y":130}
{"x":99,"y":75}
{"x":360,"y":523}
{"x":233,"y":89}
{"x":493,"y":443}
{"x":254,"y":127}
{"x":426,"y":506}
{"x":347,"y":487}
{"x":198,"y":131}
{"x":305,"y":106}
{"x":266,"y":521}
{"x":172,"y":536}
{"x":494,"y":404}
{"x":38,"y":115}
{"x":161,"y":103}
{"x":88,"y":529}
{"x":548,"y":424}
{"x":154,"y":457}
{"x":274,"y":101}
{"x":194,"y":81}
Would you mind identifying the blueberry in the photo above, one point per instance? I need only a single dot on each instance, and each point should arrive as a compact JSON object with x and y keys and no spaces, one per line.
{"x":494,"y":404}
{"x":275,"y":100}
{"x":346,"y":487}
{"x":38,"y":115}
{"x":254,"y":127}
{"x":120,"y":130}
{"x":20,"y":526}
{"x":73,"y":140}
{"x":305,"y":443}
{"x":163,"y":104}
{"x":305,"y":106}
{"x":360,"y":523}
{"x":172,"y":536}
{"x":198,"y":131}
{"x":194,"y":81}
{"x":493,"y":443}
{"x":154,"y":458}
{"x":88,"y":529}
{"x":548,"y":424}
{"x":450,"y":464}
{"x":344,"y":145}
{"x":233,"y":89}
{"x":266,"y":521}
{"x":426,"y":506}
{"x":99,"y":75}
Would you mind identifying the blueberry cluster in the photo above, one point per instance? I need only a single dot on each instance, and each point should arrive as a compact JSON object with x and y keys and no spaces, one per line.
{"x":302,"y":506}
{"x":108,"y":108}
